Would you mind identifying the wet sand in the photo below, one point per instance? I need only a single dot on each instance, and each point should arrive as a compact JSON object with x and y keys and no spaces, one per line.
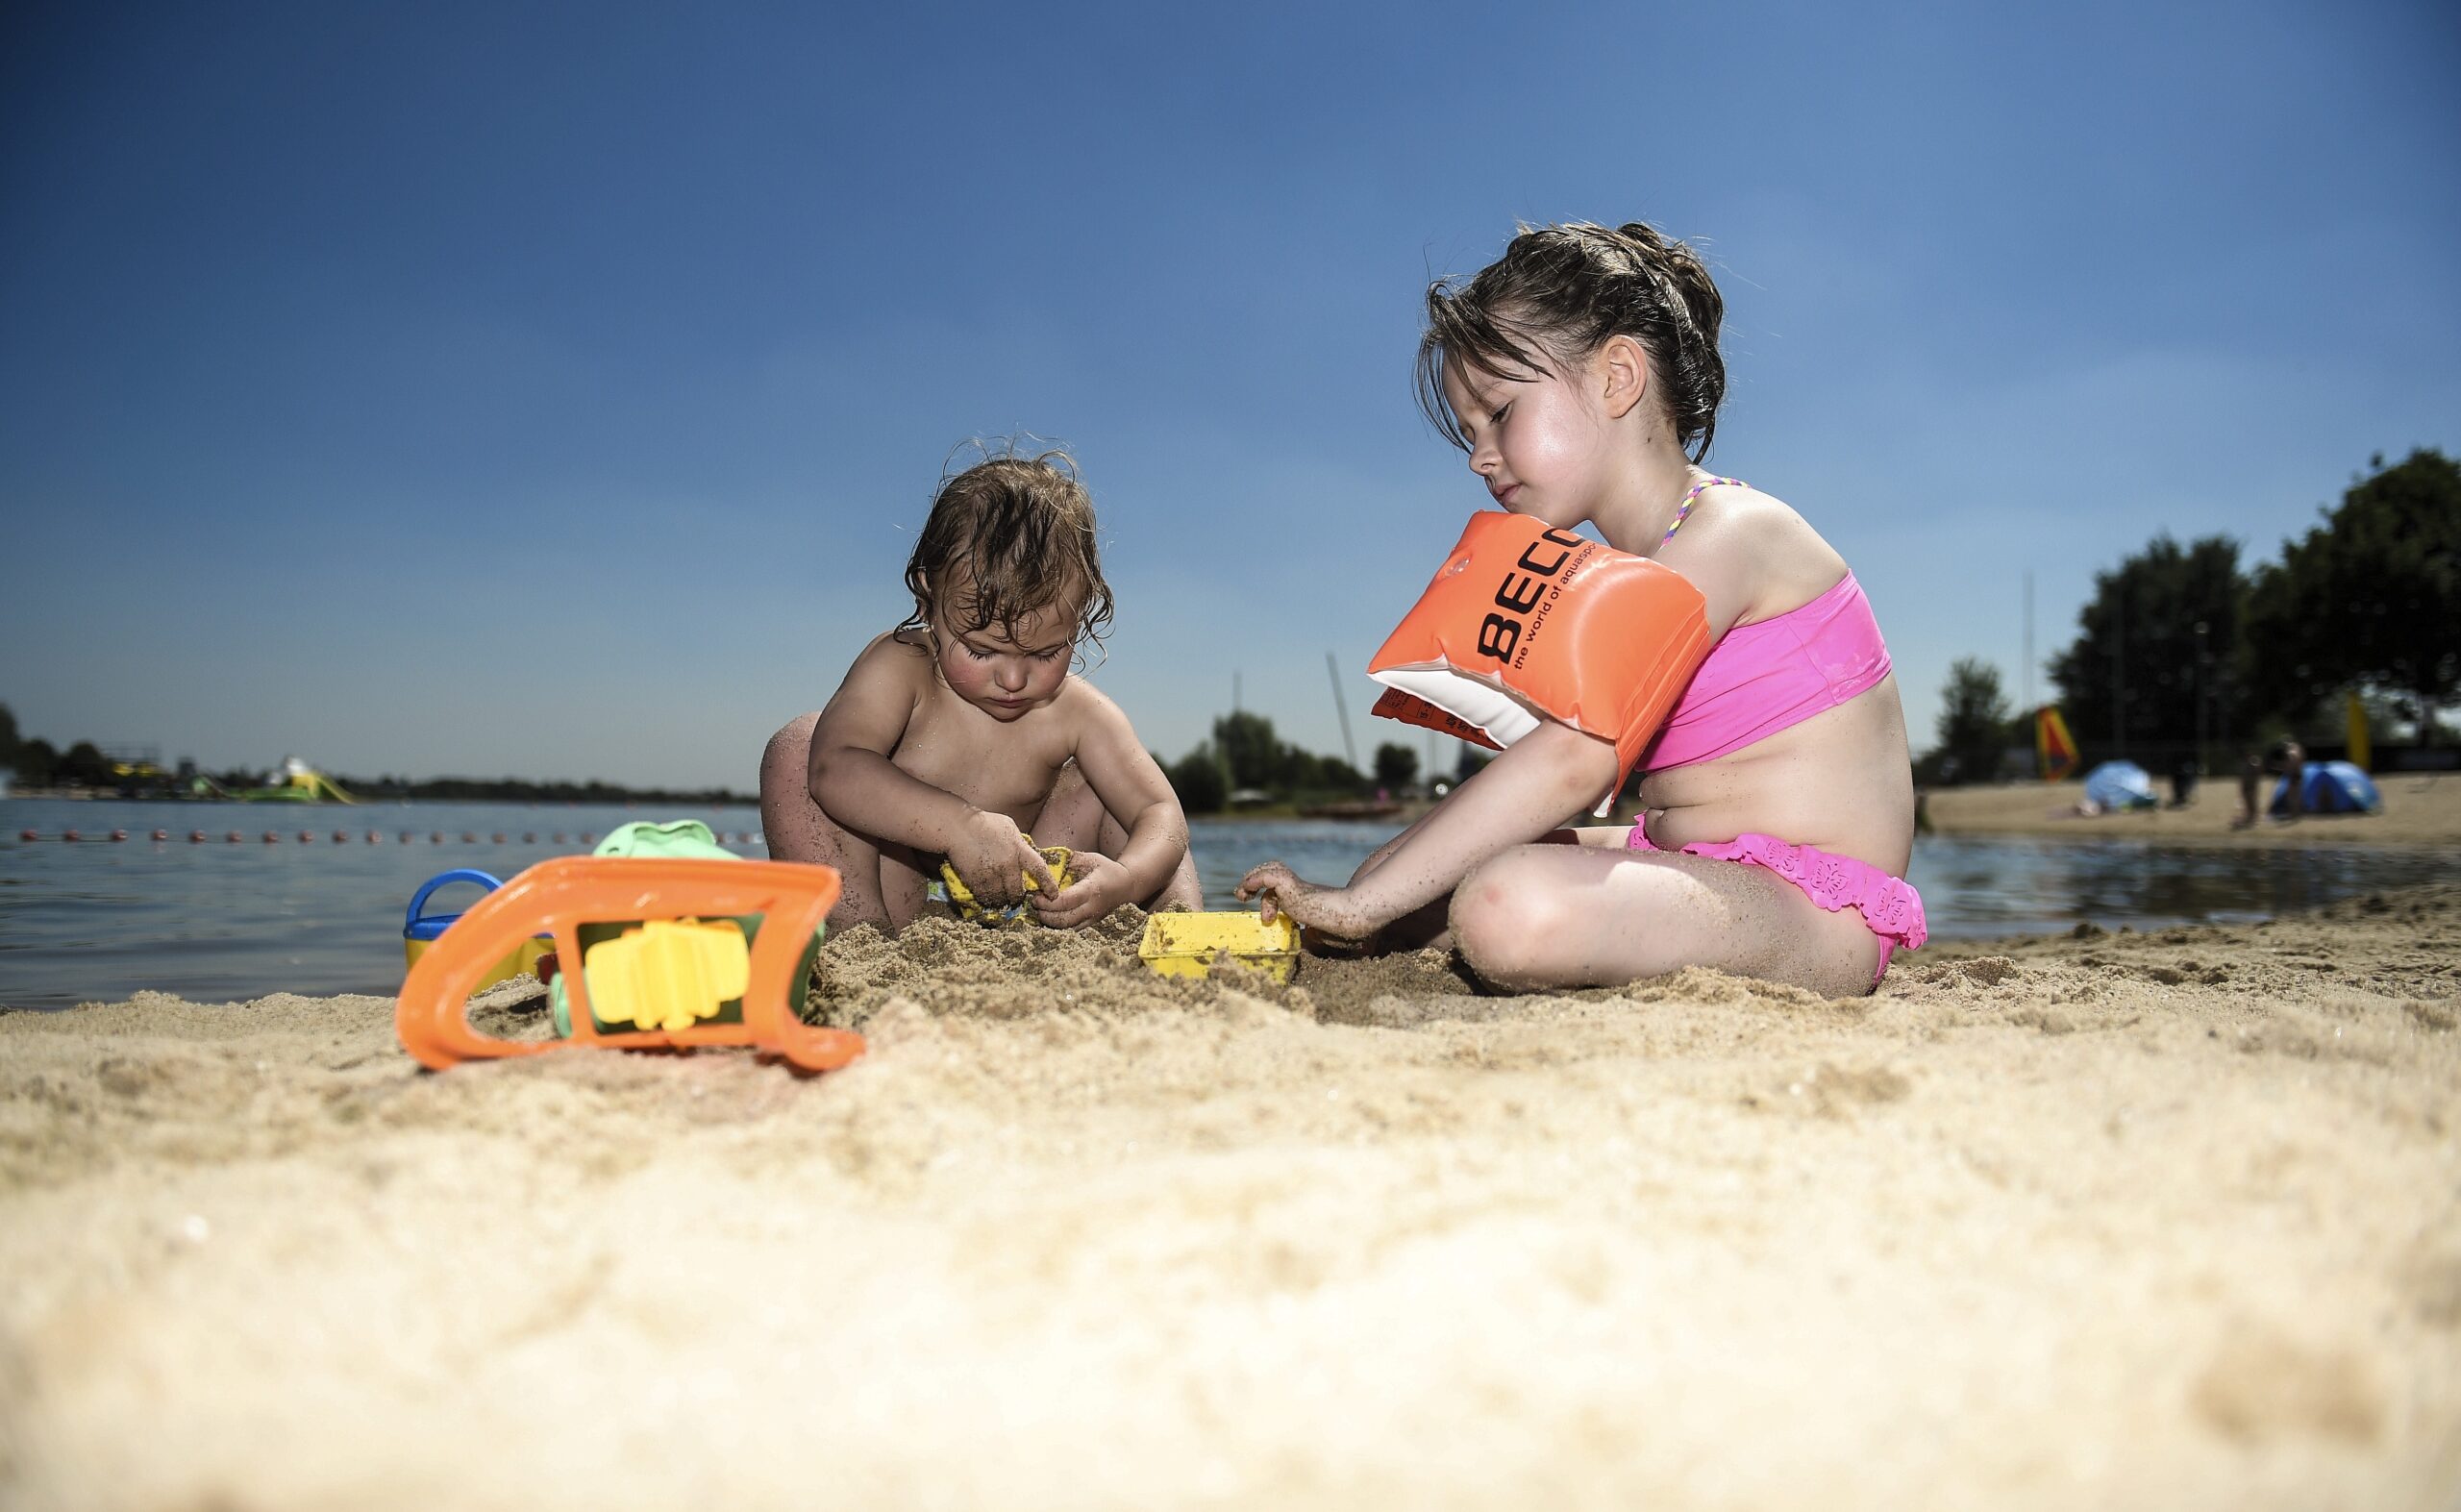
{"x":2128,"y":1220}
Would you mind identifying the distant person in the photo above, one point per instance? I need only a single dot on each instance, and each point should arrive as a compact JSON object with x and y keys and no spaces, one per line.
{"x":962,"y":731}
{"x":2183,"y":779}
{"x":2282,"y":759}
{"x":1581,"y":376}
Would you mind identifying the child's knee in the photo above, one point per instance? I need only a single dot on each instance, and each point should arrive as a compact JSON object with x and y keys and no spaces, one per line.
{"x":1507,"y":925}
{"x":786,"y":762}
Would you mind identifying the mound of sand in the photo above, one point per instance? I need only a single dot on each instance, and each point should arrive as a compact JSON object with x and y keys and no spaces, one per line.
{"x":2143,"y":1220}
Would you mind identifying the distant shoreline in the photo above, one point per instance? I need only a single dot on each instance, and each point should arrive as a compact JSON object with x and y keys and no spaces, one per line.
{"x":629,"y":798}
{"x":2421,"y":809}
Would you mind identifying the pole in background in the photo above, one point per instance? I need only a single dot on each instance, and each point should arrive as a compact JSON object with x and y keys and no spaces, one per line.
{"x":2119,"y":670}
{"x":1350,"y":748}
{"x":2027,"y":676}
{"x":2201,"y":627}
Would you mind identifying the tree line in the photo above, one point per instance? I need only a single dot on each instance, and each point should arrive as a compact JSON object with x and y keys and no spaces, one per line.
{"x":40,"y":764}
{"x":2179,"y":650}
{"x":1244,"y":753}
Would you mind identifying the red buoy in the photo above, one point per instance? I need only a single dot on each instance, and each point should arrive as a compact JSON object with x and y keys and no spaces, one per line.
{"x":232,"y":838}
{"x":341,"y":837}
{"x":197,"y":837}
{"x":162,"y":835}
{"x":496,"y":838}
{"x":29,"y":834}
{"x":272,"y":837}
{"x":70,"y":834}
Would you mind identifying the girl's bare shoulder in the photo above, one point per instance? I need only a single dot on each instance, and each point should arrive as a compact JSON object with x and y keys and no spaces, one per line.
{"x":1752,"y":556}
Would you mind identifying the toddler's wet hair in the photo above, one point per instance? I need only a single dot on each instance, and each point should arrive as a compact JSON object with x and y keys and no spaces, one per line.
{"x":1564,"y":289}
{"x":1021,"y":525}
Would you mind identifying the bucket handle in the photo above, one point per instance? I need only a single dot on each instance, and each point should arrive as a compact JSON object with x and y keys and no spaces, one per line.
{"x":419,"y":900}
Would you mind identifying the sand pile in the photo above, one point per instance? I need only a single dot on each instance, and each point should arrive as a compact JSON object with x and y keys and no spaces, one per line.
{"x":2145,"y":1220}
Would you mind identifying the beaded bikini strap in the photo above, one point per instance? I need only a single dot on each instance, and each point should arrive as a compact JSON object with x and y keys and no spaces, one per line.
{"x":1692,"y":496}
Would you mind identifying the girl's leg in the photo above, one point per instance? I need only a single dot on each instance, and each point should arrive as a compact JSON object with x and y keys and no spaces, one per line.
{"x":1074,"y":817}
{"x":883,"y":885}
{"x":1576,"y":916}
{"x":1431,"y":928}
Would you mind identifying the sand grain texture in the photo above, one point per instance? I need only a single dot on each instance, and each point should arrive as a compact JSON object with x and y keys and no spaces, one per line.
{"x":2163,"y":1220}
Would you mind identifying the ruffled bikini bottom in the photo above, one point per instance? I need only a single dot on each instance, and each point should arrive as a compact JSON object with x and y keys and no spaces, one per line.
{"x":1891,"y":908}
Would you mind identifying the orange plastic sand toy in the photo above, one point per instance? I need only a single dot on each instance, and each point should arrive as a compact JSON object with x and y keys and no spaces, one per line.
{"x":665,"y":974}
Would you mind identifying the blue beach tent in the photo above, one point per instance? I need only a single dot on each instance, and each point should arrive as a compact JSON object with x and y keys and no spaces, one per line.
{"x":2121,"y":784}
{"x":2330,"y":788}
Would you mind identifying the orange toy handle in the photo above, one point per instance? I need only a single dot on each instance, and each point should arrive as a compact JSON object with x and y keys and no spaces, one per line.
{"x":558,"y":896}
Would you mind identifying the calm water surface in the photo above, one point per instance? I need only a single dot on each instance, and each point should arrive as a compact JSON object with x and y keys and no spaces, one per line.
{"x":96,"y":921}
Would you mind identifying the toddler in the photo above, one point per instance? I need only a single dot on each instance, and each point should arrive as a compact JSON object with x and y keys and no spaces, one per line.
{"x":962,"y":729}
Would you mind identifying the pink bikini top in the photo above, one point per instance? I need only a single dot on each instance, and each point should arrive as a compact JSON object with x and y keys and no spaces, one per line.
{"x":1764,"y":677}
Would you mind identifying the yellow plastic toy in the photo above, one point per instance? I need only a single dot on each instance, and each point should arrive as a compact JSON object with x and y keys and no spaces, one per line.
{"x":1189,"y":944}
{"x":670,"y":973}
{"x":681,"y":960}
{"x":961,"y":897}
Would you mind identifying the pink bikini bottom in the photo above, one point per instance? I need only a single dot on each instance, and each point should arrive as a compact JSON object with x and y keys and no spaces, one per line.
{"x":1890,"y":908}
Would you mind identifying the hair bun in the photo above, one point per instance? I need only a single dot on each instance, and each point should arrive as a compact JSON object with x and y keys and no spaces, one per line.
{"x":1562,"y":290}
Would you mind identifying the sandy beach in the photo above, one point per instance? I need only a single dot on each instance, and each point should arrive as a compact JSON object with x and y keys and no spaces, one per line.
{"x":2111,"y":1220}
{"x":2419,"y":808}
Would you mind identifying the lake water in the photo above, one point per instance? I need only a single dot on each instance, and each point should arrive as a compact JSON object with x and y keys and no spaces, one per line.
{"x":219,"y":921}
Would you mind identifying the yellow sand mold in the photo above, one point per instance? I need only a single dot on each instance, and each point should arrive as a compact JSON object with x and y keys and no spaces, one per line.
{"x":961,"y":897}
{"x":669,"y":973}
{"x":1189,"y":944}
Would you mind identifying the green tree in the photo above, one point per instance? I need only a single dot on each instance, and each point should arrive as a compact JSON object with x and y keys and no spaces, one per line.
{"x":1248,"y":745}
{"x":2370,"y":597}
{"x":1197,"y":778}
{"x":85,"y":765}
{"x":1972,"y":728}
{"x":1397,"y":766}
{"x":2153,"y":657}
{"x":9,"y":739}
{"x":37,"y":762}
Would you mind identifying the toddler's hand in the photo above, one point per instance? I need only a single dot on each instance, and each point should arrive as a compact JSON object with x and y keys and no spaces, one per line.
{"x":1102,"y":884}
{"x":992,"y":856}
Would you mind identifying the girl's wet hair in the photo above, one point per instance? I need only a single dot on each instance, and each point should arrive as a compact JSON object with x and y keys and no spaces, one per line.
{"x":1021,"y":527}
{"x":1555,"y":297}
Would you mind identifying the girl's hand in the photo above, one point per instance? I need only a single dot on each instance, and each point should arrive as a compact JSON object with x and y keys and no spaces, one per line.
{"x":990,"y":856}
{"x":1102,"y":884}
{"x":1331,"y":911}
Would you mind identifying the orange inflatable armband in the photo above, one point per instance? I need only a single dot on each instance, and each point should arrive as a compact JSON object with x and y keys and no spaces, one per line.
{"x":683,"y":961}
{"x":1525,"y":622}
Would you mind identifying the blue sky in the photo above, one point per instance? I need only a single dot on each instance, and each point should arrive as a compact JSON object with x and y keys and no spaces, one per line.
{"x":551,"y":391}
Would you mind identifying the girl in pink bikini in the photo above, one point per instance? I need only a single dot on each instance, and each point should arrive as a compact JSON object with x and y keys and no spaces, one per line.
{"x":1582,"y":375}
